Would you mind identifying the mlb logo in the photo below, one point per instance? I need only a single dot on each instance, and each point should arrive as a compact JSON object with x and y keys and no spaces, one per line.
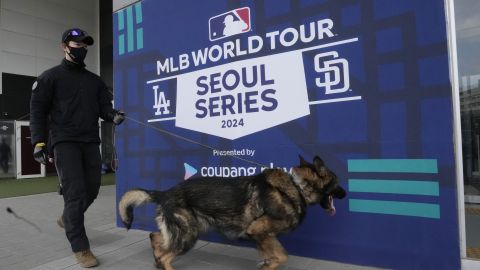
{"x":230,"y":23}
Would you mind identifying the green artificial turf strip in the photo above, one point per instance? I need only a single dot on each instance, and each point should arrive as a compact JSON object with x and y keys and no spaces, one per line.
{"x":22,"y":187}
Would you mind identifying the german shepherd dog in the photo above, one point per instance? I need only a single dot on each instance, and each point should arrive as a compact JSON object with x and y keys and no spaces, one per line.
{"x":255,"y":207}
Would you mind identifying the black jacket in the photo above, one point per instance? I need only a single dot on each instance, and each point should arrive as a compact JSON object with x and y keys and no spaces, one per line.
{"x":68,"y":100}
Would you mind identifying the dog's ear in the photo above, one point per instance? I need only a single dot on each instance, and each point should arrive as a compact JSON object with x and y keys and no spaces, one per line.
{"x":302,"y":161}
{"x":318,"y":163}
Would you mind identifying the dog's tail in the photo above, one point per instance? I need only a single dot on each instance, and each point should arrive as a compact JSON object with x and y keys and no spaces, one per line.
{"x":130,"y":200}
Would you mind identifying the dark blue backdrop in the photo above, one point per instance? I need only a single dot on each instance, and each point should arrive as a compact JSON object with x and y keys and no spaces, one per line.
{"x":402,"y":121}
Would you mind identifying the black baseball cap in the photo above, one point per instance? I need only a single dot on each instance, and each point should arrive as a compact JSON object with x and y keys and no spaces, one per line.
{"x":77,"y":35}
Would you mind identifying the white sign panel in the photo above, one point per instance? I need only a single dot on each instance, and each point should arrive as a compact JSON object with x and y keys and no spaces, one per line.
{"x":244,"y":97}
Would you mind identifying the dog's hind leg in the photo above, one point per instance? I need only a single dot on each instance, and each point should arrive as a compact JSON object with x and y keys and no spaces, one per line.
{"x":272,"y":252}
{"x":163,"y":258}
{"x":178,"y":234}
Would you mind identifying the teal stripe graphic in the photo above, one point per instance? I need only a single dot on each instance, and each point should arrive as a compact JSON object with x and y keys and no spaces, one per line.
{"x":121,"y":20}
{"x":393,"y":165}
{"x":132,"y":35}
{"x":130,"y":29}
{"x":426,"y":210}
{"x":139,"y":38}
{"x":121,"y":44}
{"x":410,"y":187}
{"x":138,"y":12}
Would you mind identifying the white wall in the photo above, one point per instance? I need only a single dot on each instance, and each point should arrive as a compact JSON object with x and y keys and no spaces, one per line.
{"x":30,"y":33}
{"x":119,"y":4}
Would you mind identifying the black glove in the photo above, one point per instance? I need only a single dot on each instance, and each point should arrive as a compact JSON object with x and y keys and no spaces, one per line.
{"x":118,"y":117}
{"x":40,"y":153}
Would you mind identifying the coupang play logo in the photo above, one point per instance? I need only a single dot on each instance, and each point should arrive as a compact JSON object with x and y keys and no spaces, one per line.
{"x":246,"y":96}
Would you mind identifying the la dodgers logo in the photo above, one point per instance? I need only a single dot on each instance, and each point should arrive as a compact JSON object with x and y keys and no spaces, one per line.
{"x":162,"y":105}
{"x":233,"y":22}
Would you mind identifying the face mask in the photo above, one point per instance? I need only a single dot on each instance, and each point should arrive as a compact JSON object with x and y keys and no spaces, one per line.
{"x":78,"y":54}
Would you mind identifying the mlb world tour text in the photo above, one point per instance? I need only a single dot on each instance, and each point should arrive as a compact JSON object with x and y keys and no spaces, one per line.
{"x":287,"y":37}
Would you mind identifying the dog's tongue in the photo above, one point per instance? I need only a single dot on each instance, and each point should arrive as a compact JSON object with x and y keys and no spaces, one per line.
{"x":331,"y":208}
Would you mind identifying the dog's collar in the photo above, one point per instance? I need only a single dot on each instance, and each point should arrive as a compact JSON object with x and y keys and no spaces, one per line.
{"x":297,"y":183}
{"x":300,"y":187}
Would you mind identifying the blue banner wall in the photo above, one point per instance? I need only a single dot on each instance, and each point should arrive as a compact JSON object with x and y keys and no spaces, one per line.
{"x":363,"y":84}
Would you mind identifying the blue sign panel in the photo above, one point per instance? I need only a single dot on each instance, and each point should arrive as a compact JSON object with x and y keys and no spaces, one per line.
{"x":229,"y":88}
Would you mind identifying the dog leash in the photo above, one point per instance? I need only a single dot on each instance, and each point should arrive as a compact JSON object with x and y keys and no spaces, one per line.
{"x":192,"y":141}
{"x":9,"y":210}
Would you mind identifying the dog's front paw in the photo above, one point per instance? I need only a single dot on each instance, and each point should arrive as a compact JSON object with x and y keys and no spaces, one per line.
{"x":265,"y":265}
{"x":262,"y":264}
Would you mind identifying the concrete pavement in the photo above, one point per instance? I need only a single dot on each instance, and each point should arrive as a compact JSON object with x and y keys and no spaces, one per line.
{"x":45,"y":247}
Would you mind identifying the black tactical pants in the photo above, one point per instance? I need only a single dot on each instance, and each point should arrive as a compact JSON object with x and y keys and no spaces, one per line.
{"x":79,"y":169}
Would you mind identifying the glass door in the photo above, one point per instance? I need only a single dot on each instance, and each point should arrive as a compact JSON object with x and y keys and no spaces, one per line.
{"x":467,"y":21}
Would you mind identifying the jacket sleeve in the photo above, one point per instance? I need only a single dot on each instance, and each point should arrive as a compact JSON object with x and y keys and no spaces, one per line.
{"x":40,"y":105}
{"x":105,"y":101}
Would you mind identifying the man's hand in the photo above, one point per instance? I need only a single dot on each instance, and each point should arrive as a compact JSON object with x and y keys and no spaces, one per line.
{"x":118,"y":117}
{"x":40,"y":153}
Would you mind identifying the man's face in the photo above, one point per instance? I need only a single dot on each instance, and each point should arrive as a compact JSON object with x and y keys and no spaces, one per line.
{"x":74,"y":44}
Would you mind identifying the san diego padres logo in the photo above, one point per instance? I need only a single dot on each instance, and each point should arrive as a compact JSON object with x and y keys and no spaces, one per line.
{"x":334,"y":73}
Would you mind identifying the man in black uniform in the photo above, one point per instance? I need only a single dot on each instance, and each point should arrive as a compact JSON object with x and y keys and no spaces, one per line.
{"x":66,"y":102}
